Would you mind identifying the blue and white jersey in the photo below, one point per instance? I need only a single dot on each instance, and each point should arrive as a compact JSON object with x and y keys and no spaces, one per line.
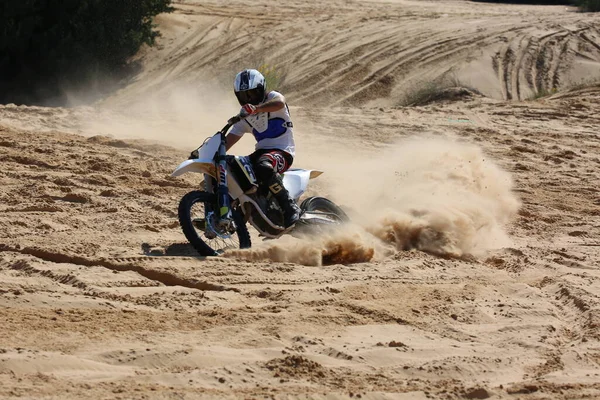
{"x":273,"y":130}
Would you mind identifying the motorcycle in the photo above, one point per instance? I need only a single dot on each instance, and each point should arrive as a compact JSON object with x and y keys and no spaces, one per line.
{"x":215,"y":219}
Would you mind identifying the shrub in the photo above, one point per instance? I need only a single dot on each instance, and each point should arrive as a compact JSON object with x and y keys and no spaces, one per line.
{"x":272,"y":75}
{"x":588,"y":5}
{"x":47,"y":47}
{"x":537,"y":2}
{"x":543,"y":92}
{"x":584,"y":5}
{"x":445,"y":87}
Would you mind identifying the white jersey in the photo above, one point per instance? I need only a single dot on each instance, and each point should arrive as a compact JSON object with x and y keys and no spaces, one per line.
{"x":273,"y":130}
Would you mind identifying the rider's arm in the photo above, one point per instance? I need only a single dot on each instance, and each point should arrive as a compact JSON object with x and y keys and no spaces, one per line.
{"x":277,"y":102}
{"x":230,"y":140}
{"x":270,"y":106}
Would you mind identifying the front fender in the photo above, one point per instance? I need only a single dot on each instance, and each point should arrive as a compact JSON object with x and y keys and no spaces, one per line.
{"x":201,"y":166}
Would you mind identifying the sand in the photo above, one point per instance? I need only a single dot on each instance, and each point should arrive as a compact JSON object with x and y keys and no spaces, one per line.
{"x":470,"y":268}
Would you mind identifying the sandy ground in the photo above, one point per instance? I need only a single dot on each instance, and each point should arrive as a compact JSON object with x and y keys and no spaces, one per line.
{"x":471,"y":267}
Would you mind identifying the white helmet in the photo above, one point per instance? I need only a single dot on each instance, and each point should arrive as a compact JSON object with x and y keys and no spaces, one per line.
{"x":250,"y":87}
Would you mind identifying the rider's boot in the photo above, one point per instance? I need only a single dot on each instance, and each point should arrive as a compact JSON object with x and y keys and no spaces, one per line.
{"x":291,"y":211}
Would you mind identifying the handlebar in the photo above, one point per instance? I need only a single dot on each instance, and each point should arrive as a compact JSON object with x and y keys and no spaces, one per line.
{"x":234,"y":119}
{"x":230,"y":122}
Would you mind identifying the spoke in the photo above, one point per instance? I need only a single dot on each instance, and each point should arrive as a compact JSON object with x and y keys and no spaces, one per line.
{"x":219,"y":242}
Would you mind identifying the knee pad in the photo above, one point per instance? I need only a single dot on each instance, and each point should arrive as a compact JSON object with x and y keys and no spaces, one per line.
{"x":264,"y":171}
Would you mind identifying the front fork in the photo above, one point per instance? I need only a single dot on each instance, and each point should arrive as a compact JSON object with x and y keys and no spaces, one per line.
{"x":225,"y":220}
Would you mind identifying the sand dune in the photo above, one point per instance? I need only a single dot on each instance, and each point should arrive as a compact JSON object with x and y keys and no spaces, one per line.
{"x":370,"y":53}
{"x":470,"y":269}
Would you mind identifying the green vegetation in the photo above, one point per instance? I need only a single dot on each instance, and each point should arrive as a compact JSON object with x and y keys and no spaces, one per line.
{"x":588,"y":5}
{"x":445,"y":87}
{"x":272,"y":75}
{"x":48,"y":48}
{"x":540,"y":2}
{"x":543,"y":92}
{"x":582,"y":84}
{"x":584,"y":5}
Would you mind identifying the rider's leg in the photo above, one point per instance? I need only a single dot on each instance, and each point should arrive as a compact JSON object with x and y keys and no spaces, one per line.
{"x":267,"y":168}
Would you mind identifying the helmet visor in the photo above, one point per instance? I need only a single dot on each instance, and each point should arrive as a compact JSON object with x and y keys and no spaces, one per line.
{"x":252,"y":96}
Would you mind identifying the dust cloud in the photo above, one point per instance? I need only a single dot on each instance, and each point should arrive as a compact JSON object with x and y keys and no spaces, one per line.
{"x":435,"y":195}
{"x":345,"y":245}
{"x":181,"y":116}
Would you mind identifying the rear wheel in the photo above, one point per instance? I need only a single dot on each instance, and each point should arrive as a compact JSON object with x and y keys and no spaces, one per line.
{"x":328,"y":209}
{"x":197,"y":222}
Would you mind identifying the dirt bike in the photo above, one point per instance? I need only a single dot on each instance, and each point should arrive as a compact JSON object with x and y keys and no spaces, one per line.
{"x":214,"y":219}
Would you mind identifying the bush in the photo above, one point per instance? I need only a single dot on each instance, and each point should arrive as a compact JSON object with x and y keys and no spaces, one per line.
{"x":588,"y":5}
{"x":584,"y":5}
{"x":535,"y":2}
{"x":272,"y":75}
{"x":48,"y":47}
{"x":445,"y":87}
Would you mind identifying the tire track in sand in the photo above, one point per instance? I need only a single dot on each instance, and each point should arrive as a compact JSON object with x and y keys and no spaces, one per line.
{"x":166,"y":278}
{"x":531,"y":65}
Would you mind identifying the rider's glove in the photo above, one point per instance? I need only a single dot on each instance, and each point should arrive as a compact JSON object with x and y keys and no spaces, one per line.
{"x":247,"y":109}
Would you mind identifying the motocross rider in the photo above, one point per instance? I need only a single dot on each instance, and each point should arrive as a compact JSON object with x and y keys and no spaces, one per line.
{"x":266,"y":115}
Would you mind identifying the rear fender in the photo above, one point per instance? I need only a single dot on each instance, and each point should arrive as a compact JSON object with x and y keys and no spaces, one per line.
{"x":296,"y":180}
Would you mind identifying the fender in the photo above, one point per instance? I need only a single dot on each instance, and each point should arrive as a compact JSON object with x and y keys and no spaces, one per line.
{"x":202,"y":166}
{"x":204,"y":163}
{"x":208,"y":167}
{"x":296,"y":180}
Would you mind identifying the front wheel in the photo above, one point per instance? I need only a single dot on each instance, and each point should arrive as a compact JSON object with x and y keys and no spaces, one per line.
{"x":197,"y":222}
